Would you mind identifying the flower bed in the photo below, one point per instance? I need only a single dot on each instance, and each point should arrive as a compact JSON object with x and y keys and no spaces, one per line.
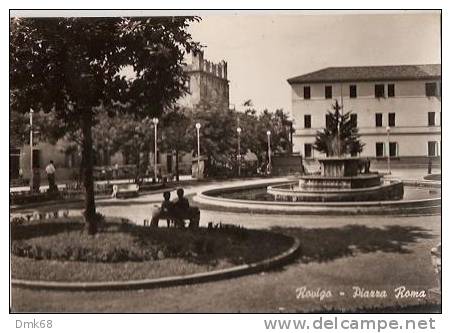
{"x":61,"y":250}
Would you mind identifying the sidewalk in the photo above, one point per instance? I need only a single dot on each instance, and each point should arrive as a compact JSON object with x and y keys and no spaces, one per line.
{"x":407,"y":174}
{"x":45,"y":187}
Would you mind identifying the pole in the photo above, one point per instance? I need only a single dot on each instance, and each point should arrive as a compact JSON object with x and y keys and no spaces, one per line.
{"x":239,"y":150}
{"x":31,"y":150}
{"x":269,"y":151}
{"x":198,"y":151}
{"x":388,"y":150}
{"x":339,"y":120}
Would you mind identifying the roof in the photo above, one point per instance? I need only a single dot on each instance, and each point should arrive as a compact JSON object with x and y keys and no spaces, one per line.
{"x":370,"y":73}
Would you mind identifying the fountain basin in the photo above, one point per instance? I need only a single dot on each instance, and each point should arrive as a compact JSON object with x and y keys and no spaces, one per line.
{"x":345,"y":182}
{"x":393,"y":190}
{"x":340,"y":166}
{"x":418,"y":200}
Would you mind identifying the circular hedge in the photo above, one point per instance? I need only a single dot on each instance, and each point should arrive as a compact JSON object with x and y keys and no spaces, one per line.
{"x":64,"y":242}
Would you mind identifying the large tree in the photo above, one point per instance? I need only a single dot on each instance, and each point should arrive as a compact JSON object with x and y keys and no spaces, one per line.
{"x":254,"y":128}
{"x":340,"y":136}
{"x":177,"y":134}
{"x":218,"y":137}
{"x":74,"y":67}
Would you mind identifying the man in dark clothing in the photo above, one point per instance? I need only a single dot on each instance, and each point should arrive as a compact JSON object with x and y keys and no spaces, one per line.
{"x":182,"y":210}
{"x":164,"y":211}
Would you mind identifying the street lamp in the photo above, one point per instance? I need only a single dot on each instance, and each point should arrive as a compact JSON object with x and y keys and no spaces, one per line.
{"x":155,"y":123}
{"x":198,"y":149}
{"x":238,"y":130}
{"x":31,"y":150}
{"x":268,"y":133}
{"x":388,"y":149}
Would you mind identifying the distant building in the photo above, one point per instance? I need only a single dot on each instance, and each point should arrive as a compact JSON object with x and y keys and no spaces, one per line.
{"x":404,"y":100}
{"x":207,"y":83}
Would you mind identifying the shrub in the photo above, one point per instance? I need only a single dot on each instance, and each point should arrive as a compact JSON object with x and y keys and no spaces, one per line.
{"x":67,"y":240}
{"x":18,"y":220}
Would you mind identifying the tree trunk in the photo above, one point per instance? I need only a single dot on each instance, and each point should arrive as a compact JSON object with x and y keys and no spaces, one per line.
{"x":138,"y":162}
{"x":88,"y":177}
{"x":177,"y":174}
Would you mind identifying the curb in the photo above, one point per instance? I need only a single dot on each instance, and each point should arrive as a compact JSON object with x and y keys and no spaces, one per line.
{"x":236,"y":271}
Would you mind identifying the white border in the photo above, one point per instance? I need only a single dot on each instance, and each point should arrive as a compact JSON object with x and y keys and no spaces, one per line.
{"x":207,"y":323}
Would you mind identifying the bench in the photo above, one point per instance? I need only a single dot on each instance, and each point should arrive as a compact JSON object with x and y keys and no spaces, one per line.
{"x":125,"y":190}
{"x":177,"y":220}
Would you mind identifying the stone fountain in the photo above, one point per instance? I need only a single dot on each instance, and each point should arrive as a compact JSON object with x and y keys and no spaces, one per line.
{"x":342,"y":179}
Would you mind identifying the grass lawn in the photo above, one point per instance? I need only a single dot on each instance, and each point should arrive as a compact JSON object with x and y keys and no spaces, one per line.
{"x":337,"y":254}
{"x":61,"y":250}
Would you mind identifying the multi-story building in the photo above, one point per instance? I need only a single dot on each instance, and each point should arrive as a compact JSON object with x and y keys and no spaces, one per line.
{"x":397,"y":109}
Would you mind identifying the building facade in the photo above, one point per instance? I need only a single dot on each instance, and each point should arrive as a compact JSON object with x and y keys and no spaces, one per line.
{"x":207,"y":82}
{"x":397,"y":109}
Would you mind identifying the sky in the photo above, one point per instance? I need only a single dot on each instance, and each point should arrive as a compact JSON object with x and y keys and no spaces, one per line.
{"x":263,"y":51}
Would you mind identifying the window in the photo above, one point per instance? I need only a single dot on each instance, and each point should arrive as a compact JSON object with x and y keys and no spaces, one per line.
{"x":393,"y":149}
{"x":307,"y":92}
{"x":328,"y":92}
{"x":352,"y":91}
{"x":379,"y":149}
{"x":391,"y":90}
{"x":391,"y":120}
{"x":431,"y":118}
{"x":308,"y":150}
{"x":379,"y":91}
{"x":431,"y":148}
{"x":328,"y":121}
{"x":307,"y":121}
{"x":431,"y":89}
{"x":354,"y":119}
{"x":378,"y":119}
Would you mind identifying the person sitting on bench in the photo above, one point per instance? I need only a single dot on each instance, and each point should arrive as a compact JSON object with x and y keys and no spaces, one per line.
{"x":164,"y":211}
{"x":182,"y":210}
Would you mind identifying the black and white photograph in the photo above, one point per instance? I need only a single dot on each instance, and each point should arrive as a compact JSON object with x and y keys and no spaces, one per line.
{"x":194,"y":161}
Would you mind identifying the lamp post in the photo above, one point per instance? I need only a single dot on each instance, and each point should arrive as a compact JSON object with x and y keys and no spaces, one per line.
{"x":31,"y":150}
{"x":198,"y":148}
{"x":238,"y":130}
{"x":268,"y":133}
{"x":388,"y":150}
{"x":155,"y":123}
